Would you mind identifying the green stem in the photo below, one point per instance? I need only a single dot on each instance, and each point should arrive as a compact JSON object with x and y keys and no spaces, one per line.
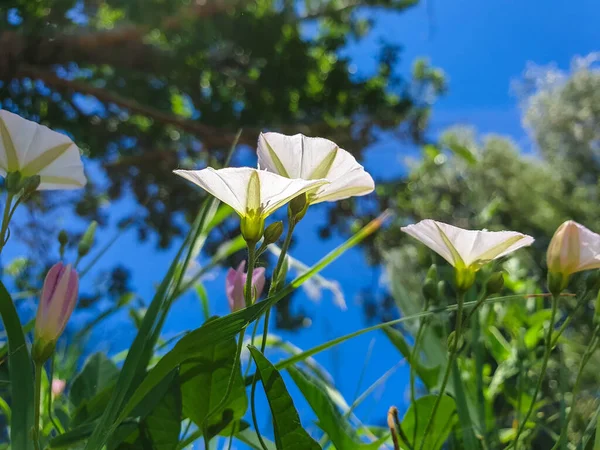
{"x":58,"y":428}
{"x":251,"y":262}
{"x":589,"y":351}
{"x":479,"y":362}
{"x":35,"y":432}
{"x":272,"y":289}
{"x":452,"y":357}
{"x":5,"y":220}
{"x":542,"y":372}
{"x":413,"y":356}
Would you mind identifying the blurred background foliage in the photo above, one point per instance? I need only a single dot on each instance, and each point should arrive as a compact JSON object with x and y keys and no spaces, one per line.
{"x":145,"y":87}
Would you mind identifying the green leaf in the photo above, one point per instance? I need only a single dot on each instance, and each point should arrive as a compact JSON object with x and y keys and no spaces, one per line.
{"x":21,"y":375}
{"x":466,"y":409}
{"x":289,"y":434}
{"x":142,"y":348}
{"x":330,"y":419}
{"x":250,"y":438}
{"x":442,"y":424}
{"x":163,"y":424}
{"x":98,"y":373}
{"x":128,"y":431}
{"x":204,"y":383}
{"x":428,"y":374}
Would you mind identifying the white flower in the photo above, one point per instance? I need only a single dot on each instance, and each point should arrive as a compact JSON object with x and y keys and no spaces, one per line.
{"x":309,"y":158}
{"x":466,"y":250}
{"x":33,"y":149}
{"x":573,"y":248}
{"x":253,"y":194}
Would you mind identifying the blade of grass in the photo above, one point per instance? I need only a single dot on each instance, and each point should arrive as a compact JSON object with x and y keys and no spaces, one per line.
{"x":142,"y":348}
{"x":230,"y":325}
{"x":20,"y":373}
{"x":332,"y":343}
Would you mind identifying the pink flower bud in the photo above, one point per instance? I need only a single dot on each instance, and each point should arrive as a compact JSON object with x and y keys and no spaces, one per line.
{"x":58,"y":300}
{"x":235,"y":282}
{"x":573,"y":248}
{"x":58,"y":386}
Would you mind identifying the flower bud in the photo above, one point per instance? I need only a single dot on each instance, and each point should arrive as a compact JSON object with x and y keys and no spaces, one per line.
{"x":495,"y":283}
{"x":87,"y":240}
{"x":31,"y":184}
{"x":58,"y":299}
{"x":465,"y":277}
{"x":58,"y":386}
{"x":451,"y":342}
{"x":297,"y":208}
{"x":235,"y":282}
{"x":563,"y":252}
{"x":252,"y":228}
{"x":429,"y":290}
{"x":63,"y":238}
{"x":273,"y":232}
{"x":432,"y":273}
{"x":13,"y":182}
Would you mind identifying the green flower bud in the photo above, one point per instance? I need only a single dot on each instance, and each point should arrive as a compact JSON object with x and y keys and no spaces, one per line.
{"x":451,"y":343}
{"x":31,"y":184}
{"x":495,"y":283}
{"x":63,"y":238}
{"x":86,"y":242}
{"x":273,"y":232}
{"x":465,"y":277}
{"x":432,"y":273}
{"x":13,"y":182}
{"x":429,"y":290}
{"x":557,"y":282}
{"x":297,"y":208}
{"x":252,"y":228}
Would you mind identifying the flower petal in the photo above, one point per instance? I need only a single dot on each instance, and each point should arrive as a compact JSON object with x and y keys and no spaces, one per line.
{"x":35,"y":149}
{"x":428,"y":232}
{"x":310,"y":158}
{"x":589,"y":249}
{"x":229,"y":185}
{"x":471,"y":246}
{"x":276,"y":191}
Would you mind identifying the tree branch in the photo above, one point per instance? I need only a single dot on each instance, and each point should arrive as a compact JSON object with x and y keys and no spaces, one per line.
{"x":210,"y":136}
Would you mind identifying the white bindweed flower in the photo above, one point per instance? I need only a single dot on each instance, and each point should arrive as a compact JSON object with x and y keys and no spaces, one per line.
{"x":309,"y":158}
{"x":466,"y":250}
{"x":32,"y":149}
{"x":253,"y":194}
{"x":573,"y":248}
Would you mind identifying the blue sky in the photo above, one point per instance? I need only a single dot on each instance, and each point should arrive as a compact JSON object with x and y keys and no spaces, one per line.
{"x":482,"y":45}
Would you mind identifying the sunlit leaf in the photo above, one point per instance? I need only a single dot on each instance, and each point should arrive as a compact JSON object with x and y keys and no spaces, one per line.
{"x":289,"y":434}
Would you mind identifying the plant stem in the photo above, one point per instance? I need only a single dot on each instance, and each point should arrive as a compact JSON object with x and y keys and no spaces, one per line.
{"x":542,"y":372}
{"x":251,"y":262}
{"x":58,"y":428}
{"x":589,"y":351}
{"x":5,"y":220}
{"x":272,"y":289}
{"x":35,"y":432}
{"x":479,"y":362}
{"x":413,"y":356}
{"x":452,"y":357}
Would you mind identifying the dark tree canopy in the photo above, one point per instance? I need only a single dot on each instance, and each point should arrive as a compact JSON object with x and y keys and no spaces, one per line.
{"x":146,"y":87}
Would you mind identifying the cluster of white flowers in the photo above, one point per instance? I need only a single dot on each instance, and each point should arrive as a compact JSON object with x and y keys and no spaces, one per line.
{"x":289,"y":166}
